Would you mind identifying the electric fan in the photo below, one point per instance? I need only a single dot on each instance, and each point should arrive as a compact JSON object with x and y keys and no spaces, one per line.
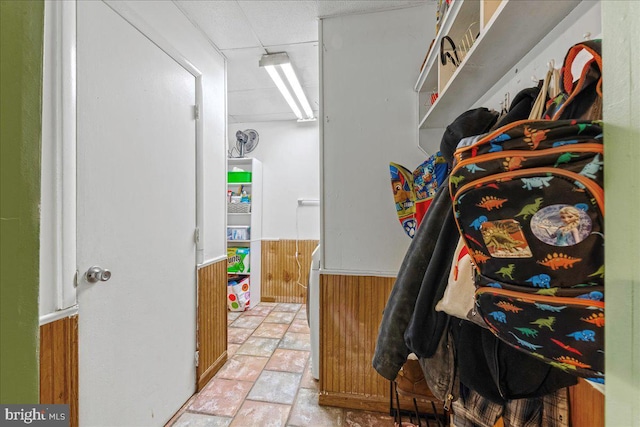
{"x":246,"y":141}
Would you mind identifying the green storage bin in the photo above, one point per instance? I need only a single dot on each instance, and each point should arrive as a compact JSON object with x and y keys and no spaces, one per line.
{"x":239,"y":176}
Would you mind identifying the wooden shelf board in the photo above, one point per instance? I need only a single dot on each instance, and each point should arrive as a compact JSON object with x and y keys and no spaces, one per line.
{"x":491,"y":57}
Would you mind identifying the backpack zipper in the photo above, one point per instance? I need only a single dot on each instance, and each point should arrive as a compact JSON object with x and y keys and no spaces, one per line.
{"x":532,"y":298}
{"x":595,"y":189}
{"x":582,"y":148}
{"x":510,"y":126}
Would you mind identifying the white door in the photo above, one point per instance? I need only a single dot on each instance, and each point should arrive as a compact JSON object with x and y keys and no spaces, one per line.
{"x":136,"y":217}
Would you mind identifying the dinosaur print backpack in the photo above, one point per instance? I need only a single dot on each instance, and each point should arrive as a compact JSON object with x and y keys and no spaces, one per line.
{"x":529,"y":203}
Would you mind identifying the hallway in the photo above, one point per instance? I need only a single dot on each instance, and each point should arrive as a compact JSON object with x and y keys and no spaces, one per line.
{"x":267,"y":379}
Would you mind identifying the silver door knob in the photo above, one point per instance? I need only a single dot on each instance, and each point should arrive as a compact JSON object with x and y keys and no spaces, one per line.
{"x":97,"y":274}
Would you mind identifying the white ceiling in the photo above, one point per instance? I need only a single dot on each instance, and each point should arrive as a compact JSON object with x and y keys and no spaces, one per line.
{"x":245,"y":30}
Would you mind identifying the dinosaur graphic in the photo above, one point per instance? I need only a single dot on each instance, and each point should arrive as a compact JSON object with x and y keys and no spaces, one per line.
{"x":507,"y":306}
{"x":548,"y":322}
{"x":596,"y":319}
{"x":556,"y":261}
{"x":547,"y":307}
{"x":599,"y":273}
{"x":592,"y":168}
{"x":456,"y":179}
{"x":561,"y":143}
{"x":585,"y":335}
{"x":573,"y":362}
{"x":528,"y":332}
{"x":540,"y":281}
{"x":513,"y":163}
{"x":531,"y":208}
{"x":550,"y":292}
{"x":499,"y":316}
{"x":536,"y":182}
{"x":499,"y":236}
{"x":467,"y":237}
{"x":593,"y":295}
{"x":473,"y":168}
{"x":565,"y":158}
{"x":500,"y":138}
{"x":477,"y":223}
{"x":534,"y":137}
{"x":495,"y":285}
{"x":491,"y":202}
{"x":507,"y":271}
{"x":584,"y":285}
{"x":525,"y":343}
{"x":563,"y":366}
{"x":495,"y":147}
{"x":596,"y":380}
{"x":566,"y":347}
{"x":480,"y":257}
{"x":582,"y":127}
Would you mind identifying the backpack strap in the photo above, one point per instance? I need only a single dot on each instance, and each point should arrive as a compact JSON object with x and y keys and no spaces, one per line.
{"x":592,"y":71}
{"x":593,"y":47}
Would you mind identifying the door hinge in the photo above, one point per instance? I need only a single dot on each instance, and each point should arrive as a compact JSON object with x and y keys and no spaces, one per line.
{"x":197,"y":358}
{"x":75,"y":279}
{"x":196,"y":235}
{"x":196,"y":112}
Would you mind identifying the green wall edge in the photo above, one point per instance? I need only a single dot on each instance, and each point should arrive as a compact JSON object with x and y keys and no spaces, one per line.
{"x":21,"y":44}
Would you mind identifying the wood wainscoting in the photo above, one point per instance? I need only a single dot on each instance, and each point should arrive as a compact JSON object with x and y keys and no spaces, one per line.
{"x":212,"y":321}
{"x":350,"y":314}
{"x":59,"y":364}
{"x":586,"y":405}
{"x":279,"y":277}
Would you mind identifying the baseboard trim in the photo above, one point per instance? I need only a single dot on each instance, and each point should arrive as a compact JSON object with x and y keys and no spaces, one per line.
{"x":350,"y":401}
{"x":212,"y":370}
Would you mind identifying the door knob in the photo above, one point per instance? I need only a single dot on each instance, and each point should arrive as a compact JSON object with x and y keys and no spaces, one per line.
{"x":97,"y":274}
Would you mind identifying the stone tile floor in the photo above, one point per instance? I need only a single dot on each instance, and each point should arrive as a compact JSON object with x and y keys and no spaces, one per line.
{"x":267,"y":379}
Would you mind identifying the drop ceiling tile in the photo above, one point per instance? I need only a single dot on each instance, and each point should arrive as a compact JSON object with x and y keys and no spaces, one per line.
{"x":282,"y":22}
{"x":328,"y":8}
{"x":222,"y":21}
{"x":243,"y":72}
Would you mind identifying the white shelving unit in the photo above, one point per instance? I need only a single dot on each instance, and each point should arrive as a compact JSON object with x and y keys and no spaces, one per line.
{"x":508,"y":30}
{"x":252,"y":219}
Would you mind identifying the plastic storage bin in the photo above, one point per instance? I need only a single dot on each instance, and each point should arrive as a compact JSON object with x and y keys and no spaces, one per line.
{"x":239,"y":176}
{"x":240,"y":232}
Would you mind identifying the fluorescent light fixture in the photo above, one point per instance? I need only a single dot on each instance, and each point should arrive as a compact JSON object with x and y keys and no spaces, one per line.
{"x":277,"y":63}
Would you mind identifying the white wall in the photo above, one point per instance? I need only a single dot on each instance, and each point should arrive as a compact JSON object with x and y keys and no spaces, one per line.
{"x":165,"y":17}
{"x":370,"y":64}
{"x":289,"y":154}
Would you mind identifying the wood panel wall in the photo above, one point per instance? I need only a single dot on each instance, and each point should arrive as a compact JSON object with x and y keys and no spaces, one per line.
{"x":279,"y":277}
{"x":350,"y":314}
{"x":212,"y":321}
{"x":59,"y":364}
{"x":586,"y":405}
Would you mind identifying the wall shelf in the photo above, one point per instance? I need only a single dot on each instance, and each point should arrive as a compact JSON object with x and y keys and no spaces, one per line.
{"x":251,"y":219}
{"x":514,"y":29}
